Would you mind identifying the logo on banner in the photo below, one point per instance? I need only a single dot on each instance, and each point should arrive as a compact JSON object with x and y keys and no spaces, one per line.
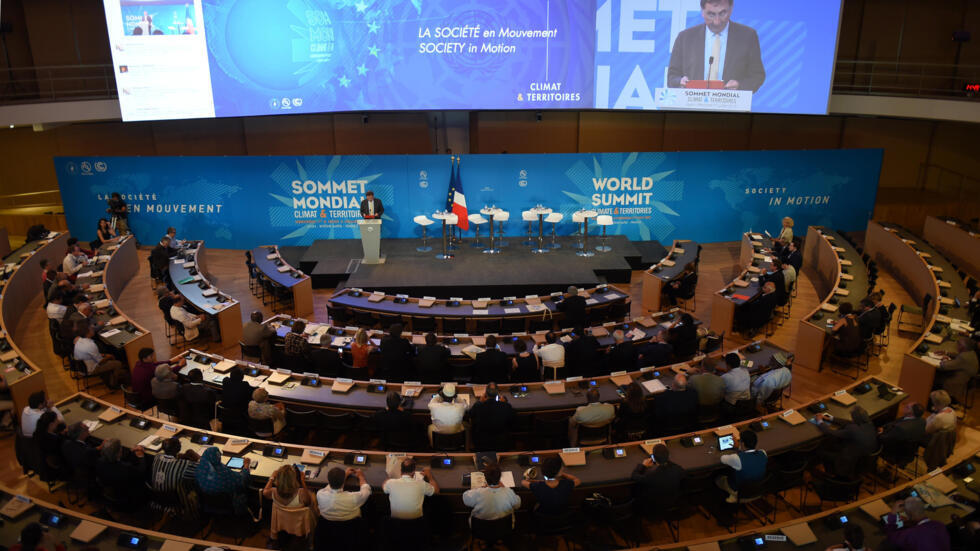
{"x":667,"y":97}
{"x":71,"y":168}
{"x":522,"y":178}
{"x":86,"y":167}
{"x":423,"y":179}
{"x":100,"y":166}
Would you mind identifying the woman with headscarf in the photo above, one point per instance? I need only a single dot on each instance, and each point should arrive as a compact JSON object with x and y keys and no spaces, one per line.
{"x":215,"y":478}
{"x":260,"y":408}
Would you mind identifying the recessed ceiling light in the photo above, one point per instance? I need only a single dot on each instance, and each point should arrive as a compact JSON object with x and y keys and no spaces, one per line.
{"x":11,"y":126}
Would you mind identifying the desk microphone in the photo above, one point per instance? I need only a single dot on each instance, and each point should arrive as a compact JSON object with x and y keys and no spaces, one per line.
{"x":711,"y":61}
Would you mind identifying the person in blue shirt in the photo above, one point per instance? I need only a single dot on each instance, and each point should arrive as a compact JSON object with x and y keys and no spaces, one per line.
{"x":747,"y":466}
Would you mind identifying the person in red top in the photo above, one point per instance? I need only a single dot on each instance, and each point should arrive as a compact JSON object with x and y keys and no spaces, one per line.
{"x":32,"y":538}
{"x":144,"y":371}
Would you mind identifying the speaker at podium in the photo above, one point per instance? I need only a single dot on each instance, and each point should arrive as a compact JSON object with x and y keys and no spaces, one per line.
{"x":371,"y":240}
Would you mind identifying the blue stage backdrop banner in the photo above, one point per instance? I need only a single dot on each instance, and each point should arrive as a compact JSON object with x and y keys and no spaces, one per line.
{"x":243,"y":202}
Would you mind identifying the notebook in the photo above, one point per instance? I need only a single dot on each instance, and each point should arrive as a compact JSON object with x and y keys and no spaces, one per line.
{"x":87,"y":531}
{"x":792,"y":417}
{"x":572,"y":457}
{"x":799,"y":534}
{"x":555,"y":387}
{"x":843,"y":398}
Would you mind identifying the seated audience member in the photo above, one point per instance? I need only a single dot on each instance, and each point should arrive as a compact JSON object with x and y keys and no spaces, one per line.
{"x":748,"y":466}
{"x":190,"y":322}
{"x":49,"y":434}
{"x":785,"y":236}
{"x":778,"y":279}
{"x":792,"y":256}
{"x":582,"y":356}
{"x":337,"y":505}
{"x":756,"y":313}
{"x":656,"y":352}
{"x":160,"y":261}
{"x":574,"y":308}
{"x":35,"y":538}
{"x":594,"y":413}
{"x":172,"y":474}
{"x":56,"y":308}
{"x":869,"y":318}
{"x":74,"y":242}
{"x":634,"y":413}
{"x":74,"y":262}
{"x":236,"y":393}
{"x":846,"y":338}
{"x":260,"y":408}
{"x":622,"y":355}
{"x":770,"y":382}
{"x":904,"y":436}
{"x":37,"y":405}
{"x":493,"y":501}
{"x":491,"y":365}
{"x":851,"y":445}
{"x":683,"y":335}
{"x":81,"y":311}
{"x":446,"y":412}
{"x":552,"y":356}
{"x":104,"y":233}
{"x":737,"y":380}
{"x":491,"y":419}
{"x":291,"y":503}
{"x":216,"y":479}
{"x":524,"y":365}
{"x":112,"y":371}
{"x":295,"y":343}
{"x":432,"y":361}
{"x":145,"y":370}
{"x":360,"y":350}
{"x":956,"y":372}
{"x":196,"y":400}
{"x":919,"y":532}
{"x":658,"y":480}
{"x":393,"y":419}
{"x":175,"y":244}
{"x":853,"y":539}
{"x":789,"y":274}
{"x":943,"y":417}
{"x":164,"y":384}
{"x":79,"y":454}
{"x":122,"y":471}
{"x":256,"y":333}
{"x":396,"y":354}
{"x":6,"y":406}
{"x":165,"y":300}
{"x":407,"y":493}
{"x":553,"y":492}
{"x":676,"y":409}
{"x":680,"y":285}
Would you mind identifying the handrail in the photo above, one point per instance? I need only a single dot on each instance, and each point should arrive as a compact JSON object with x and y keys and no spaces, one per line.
{"x":946,"y":181}
{"x":15,"y":199}
{"x":58,"y":82}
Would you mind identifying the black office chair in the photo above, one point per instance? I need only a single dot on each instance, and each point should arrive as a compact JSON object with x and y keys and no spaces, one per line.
{"x":253,"y":352}
{"x":455,"y":442}
{"x":492,"y":531}
{"x":338,"y":315}
{"x":232,"y":421}
{"x":750,"y":494}
{"x":133,"y":400}
{"x":78,"y":371}
{"x":332,"y":426}
{"x":168,"y":407}
{"x":300,"y":422}
{"x":595,"y":435}
{"x":261,"y":428}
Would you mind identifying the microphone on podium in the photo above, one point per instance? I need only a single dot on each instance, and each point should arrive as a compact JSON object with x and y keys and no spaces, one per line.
{"x":711,"y":61}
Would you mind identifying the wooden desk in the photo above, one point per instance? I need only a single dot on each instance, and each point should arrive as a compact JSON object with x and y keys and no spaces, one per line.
{"x":301,"y":287}
{"x":723,"y":304}
{"x":823,"y":264}
{"x":957,"y":241}
{"x":658,"y":276}
{"x":228,"y":313}
{"x":22,"y":287}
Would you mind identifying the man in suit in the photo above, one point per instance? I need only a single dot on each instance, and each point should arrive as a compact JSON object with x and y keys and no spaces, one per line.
{"x":235,"y":396}
{"x":396,"y":354}
{"x":718,"y":49}
{"x":255,"y":333}
{"x":491,"y":420}
{"x":955,"y":372}
{"x":621,"y":356}
{"x":491,"y":365}
{"x":657,"y":352}
{"x":869,"y":320}
{"x":196,"y":400}
{"x":432,"y":361}
{"x":756,"y":313}
{"x":582,"y":354}
{"x":778,"y":278}
{"x":904,"y":435}
{"x":370,"y":207}
{"x":676,"y":409}
{"x":791,"y":255}
{"x":574,"y":308}
{"x":160,"y":261}
{"x":658,"y":480}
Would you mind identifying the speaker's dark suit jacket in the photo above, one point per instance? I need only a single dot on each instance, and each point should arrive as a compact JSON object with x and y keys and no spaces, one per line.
{"x":743,"y":57}
{"x":378,"y":208}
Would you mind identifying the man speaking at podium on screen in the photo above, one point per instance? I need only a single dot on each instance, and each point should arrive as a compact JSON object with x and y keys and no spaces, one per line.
{"x":718,"y":49}
{"x":371,"y":207}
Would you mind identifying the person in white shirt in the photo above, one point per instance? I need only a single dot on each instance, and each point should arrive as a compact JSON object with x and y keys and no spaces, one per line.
{"x":407,"y":493}
{"x":447,"y":412}
{"x":737,"y":379}
{"x":188,"y":320}
{"x":552,"y":356}
{"x":769,"y":382}
{"x":789,"y":275}
{"x":74,"y":261}
{"x":37,"y":405}
{"x":174,"y":242}
{"x":336,"y":504}
{"x":494,"y":501}
{"x":97,"y":363}
{"x":594,"y":413}
{"x":56,"y":308}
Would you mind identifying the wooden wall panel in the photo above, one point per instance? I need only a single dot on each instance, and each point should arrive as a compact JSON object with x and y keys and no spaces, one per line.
{"x":110,"y":138}
{"x":521,"y":132}
{"x":25,"y":161}
{"x":620,"y":131}
{"x":790,"y":132}
{"x":706,"y":131}
{"x":906,"y":145}
{"x":383,"y":133}
{"x":199,"y":137}
{"x":292,"y":135}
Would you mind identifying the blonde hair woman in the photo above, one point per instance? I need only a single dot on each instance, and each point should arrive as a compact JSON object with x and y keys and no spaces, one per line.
{"x":943,"y":417}
{"x":360,"y":349}
{"x":291,"y":503}
{"x":786,"y":234}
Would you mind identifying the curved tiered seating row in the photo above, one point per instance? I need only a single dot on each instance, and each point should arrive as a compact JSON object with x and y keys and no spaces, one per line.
{"x":747,"y":284}
{"x":840,"y":272}
{"x":682,"y":254}
{"x":958,"y":241}
{"x":116,"y":265}
{"x":188,"y":274}
{"x":509,"y":314}
{"x":286,"y":285}
{"x":21,"y":285}
{"x":924,"y":272}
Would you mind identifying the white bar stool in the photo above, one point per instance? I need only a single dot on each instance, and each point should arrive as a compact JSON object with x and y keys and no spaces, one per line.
{"x":530,"y":218}
{"x":603,"y":220}
{"x":501,"y":217}
{"x":425,"y":222}
{"x":477,"y":220}
{"x":553,"y":219}
{"x":449,"y":220}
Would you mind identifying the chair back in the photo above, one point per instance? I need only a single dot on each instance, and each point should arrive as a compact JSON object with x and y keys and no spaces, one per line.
{"x":261,"y":427}
{"x":298,"y":521}
{"x":592,"y":435}
{"x":492,"y":530}
{"x":449,"y":442}
{"x":168,"y":406}
{"x":216,"y":504}
{"x":939,"y":448}
{"x":133,"y":400}
{"x":250,"y":350}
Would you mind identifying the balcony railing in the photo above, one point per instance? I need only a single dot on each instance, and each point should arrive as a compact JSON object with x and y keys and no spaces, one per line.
{"x":884,"y":78}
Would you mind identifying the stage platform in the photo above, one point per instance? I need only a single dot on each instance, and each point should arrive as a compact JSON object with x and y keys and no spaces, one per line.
{"x":472,"y":274}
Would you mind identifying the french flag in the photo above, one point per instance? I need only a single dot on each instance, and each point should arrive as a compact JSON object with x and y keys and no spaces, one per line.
{"x":455,"y":200}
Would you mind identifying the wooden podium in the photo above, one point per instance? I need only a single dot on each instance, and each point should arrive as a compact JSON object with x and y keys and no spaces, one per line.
{"x":705,"y":85}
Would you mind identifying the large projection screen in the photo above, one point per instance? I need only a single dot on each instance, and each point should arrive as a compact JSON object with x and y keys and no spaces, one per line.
{"x":178,"y":59}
